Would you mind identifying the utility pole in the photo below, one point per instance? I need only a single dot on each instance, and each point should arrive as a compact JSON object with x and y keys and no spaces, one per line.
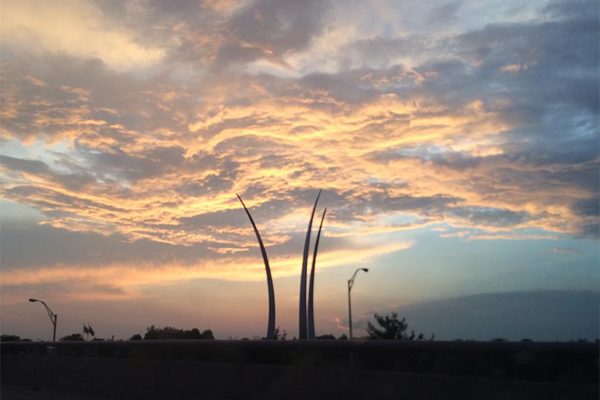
{"x":350,"y":284}
{"x":53,"y":317}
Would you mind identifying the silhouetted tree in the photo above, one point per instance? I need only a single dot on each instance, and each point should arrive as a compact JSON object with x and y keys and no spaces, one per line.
{"x":325,"y":337}
{"x":168,"y":332}
{"x":13,"y":338}
{"x":391,"y":328}
{"x":137,"y":336}
{"x":279,"y":334}
{"x":207,"y":334}
{"x":73,"y":337}
{"x":343,"y":337}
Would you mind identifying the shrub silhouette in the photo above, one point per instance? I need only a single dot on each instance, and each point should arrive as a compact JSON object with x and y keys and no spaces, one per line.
{"x":73,"y":337}
{"x":12,"y":338}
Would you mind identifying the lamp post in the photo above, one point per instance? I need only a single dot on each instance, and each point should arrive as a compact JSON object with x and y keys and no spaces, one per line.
{"x":350,"y":284}
{"x":53,"y":317}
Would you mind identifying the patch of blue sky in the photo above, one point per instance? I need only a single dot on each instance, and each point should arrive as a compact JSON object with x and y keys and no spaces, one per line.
{"x":475,"y":14}
{"x":260,"y":67}
{"x":424,"y":151}
{"x":38,"y":150}
{"x":11,"y":211}
{"x":402,"y":219}
{"x":436,"y":267}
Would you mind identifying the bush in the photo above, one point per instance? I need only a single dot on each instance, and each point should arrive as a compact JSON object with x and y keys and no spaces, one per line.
{"x":73,"y":337}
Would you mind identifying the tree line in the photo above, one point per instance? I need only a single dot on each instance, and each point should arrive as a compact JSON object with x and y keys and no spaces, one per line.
{"x":385,"y":327}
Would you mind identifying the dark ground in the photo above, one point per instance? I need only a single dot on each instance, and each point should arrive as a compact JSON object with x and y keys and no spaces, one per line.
{"x":27,"y":392}
{"x":345,"y":370}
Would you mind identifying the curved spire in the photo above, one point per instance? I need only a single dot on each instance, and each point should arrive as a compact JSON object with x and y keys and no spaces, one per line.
{"x":311,"y":284}
{"x":302,"y":312}
{"x":271,"y":323}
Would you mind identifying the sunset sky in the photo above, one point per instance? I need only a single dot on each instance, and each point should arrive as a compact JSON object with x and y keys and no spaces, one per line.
{"x":456,"y":144}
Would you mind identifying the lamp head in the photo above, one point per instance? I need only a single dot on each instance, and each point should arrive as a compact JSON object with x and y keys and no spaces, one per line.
{"x":365,"y":269}
{"x":33,"y":300}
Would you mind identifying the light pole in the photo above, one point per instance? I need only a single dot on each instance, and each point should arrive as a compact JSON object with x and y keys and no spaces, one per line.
{"x":350,"y":284}
{"x":53,"y":317}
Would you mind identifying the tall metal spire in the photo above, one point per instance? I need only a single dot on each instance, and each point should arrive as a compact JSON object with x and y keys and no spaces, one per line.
{"x":311,"y":284}
{"x":302,"y":332}
{"x":271,"y":322}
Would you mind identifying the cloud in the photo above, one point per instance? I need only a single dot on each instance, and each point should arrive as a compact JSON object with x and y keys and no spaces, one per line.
{"x":41,"y":259}
{"x":67,"y":289}
{"x":491,"y":129}
{"x":76,"y":28}
{"x":537,"y":315}
{"x":446,"y":12}
{"x":270,"y":29}
{"x":566,"y":250}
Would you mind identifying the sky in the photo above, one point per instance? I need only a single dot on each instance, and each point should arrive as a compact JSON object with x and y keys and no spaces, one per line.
{"x":456,"y":145}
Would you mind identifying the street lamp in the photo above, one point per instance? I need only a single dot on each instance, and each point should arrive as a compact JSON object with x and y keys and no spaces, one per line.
{"x":53,"y":317}
{"x":350,"y":284}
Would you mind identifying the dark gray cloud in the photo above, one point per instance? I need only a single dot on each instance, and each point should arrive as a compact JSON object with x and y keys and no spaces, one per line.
{"x":337,"y":92}
{"x":501,"y":178}
{"x":55,"y":203}
{"x":270,"y":29}
{"x":539,"y":76}
{"x":536,"y":315}
{"x":29,"y":166}
{"x":265,"y":212}
{"x":28,"y":246}
{"x":490,"y":216}
{"x":74,"y":181}
{"x":553,"y":64}
{"x":64,"y":288}
{"x":131,"y":167}
{"x":573,"y":8}
{"x":424,"y":204}
{"x":446,"y":13}
{"x":53,"y":96}
{"x":253,"y":148}
{"x":213,"y":183}
{"x":383,"y":52}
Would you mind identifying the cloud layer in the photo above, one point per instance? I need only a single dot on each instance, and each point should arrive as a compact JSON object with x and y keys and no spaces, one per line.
{"x":132,"y":130}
